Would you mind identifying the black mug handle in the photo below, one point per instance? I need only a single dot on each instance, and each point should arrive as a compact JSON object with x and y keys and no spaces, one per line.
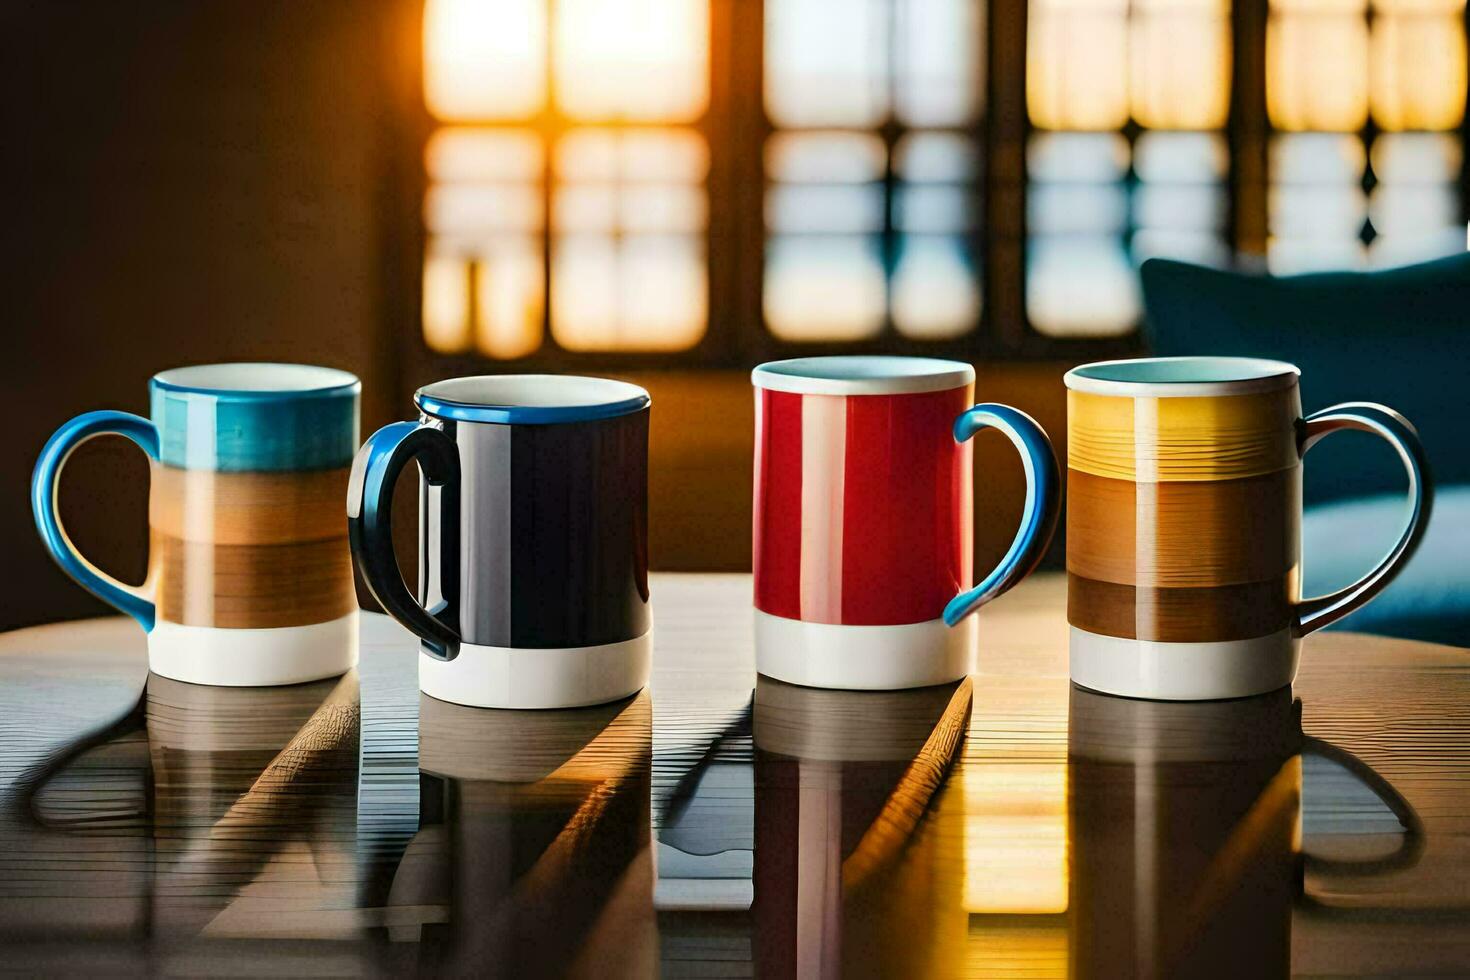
{"x":370,"y":528}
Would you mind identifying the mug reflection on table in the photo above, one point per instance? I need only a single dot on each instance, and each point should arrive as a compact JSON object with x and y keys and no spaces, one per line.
{"x":856,"y":871}
{"x":218,"y":800}
{"x":1184,"y":502}
{"x":1185,"y":834}
{"x":249,"y":574}
{"x":239,"y":778}
{"x":534,"y":853}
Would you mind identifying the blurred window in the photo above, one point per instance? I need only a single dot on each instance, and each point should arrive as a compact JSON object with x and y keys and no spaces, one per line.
{"x":566,"y":184}
{"x":1128,"y":159}
{"x":1367,"y":104}
{"x":729,"y":180}
{"x":872,"y":196}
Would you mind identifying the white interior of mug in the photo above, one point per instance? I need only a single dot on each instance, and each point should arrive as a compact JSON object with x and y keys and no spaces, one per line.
{"x":532,"y":391}
{"x":1182,"y":376}
{"x":862,"y":375}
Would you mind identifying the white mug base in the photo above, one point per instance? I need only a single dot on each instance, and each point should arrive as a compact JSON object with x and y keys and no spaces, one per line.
{"x":863,"y":658}
{"x":1183,"y":671}
{"x":253,"y":657}
{"x":570,"y":677}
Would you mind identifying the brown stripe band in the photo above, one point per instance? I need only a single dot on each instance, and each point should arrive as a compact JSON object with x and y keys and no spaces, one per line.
{"x":1230,"y":612}
{"x":252,"y":586}
{"x":248,"y":508}
{"x":1193,"y":534}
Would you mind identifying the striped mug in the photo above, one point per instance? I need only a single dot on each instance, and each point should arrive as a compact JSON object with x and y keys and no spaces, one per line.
{"x":1184,"y":503}
{"x":863,"y":519}
{"x":249,"y":574}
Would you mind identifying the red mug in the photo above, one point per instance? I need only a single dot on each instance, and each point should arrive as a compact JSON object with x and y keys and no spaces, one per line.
{"x":863,"y":545}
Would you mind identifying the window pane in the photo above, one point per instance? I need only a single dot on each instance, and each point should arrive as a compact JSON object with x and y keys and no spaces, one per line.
{"x":483,"y":283}
{"x":936,"y":157}
{"x":1079,"y":281}
{"x":1315,"y":71}
{"x":823,"y":288}
{"x":1418,"y":70}
{"x":1180,"y":206}
{"x":628,"y":257}
{"x":815,"y":158}
{"x":645,"y":60}
{"x":1076,"y":64}
{"x":1316,"y":204}
{"x":446,"y":302}
{"x":826,"y":64}
{"x":509,"y":294}
{"x":939,"y":61}
{"x":1415,"y":208}
{"x":1180,"y":65}
{"x":1081,"y":286}
{"x":484,"y":60}
{"x":936,"y":287}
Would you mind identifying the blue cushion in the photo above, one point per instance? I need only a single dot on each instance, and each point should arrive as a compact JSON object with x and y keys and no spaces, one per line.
{"x":1430,"y":600}
{"x":1400,"y":337}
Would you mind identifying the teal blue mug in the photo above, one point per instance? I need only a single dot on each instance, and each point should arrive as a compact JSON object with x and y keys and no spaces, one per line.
{"x":249,"y":574}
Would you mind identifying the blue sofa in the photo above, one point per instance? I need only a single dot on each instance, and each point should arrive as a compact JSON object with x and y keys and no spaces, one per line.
{"x":1400,"y":337}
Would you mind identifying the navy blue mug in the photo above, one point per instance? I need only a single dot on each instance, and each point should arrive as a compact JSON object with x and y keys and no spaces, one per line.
{"x":533,"y":531}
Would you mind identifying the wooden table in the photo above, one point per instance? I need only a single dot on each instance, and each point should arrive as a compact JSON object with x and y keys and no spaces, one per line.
{"x":1008,"y":825}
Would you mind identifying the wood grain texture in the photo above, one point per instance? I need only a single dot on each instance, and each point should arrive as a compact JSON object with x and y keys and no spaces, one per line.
{"x":327,"y":877}
{"x":252,"y":586}
{"x":1227,"y":612}
{"x":1197,"y":534}
{"x":1163,"y":439}
{"x":248,"y":508}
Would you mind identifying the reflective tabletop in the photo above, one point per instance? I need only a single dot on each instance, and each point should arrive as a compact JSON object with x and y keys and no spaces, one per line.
{"x":721,"y":825}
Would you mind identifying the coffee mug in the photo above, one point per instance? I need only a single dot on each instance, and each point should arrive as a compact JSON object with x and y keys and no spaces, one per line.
{"x":249,"y":577}
{"x":1184,"y":524}
{"x":863,"y":519}
{"x":533,"y":528}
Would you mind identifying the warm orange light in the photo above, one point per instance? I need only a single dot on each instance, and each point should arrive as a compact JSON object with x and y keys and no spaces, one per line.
{"x":446,"y":303}
{"x":484,"y":59}
{"x":1418,"y":71}
{"x":644,"y":60}
{"x":628,"y":266}
{"x":643,"y":293}
{"x":1180,"y":66}
{"x":1076,"y":65}
{"x":509,"y":291}
{"x":1015,"y":837}
{"x":464,"y":153}
{"x":1315,"y":71}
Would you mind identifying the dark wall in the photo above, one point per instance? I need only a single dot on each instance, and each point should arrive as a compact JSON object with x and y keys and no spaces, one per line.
{"x":182,"y":182}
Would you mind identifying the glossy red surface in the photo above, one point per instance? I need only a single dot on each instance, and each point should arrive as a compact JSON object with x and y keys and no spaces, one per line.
{"x":862,"y":506}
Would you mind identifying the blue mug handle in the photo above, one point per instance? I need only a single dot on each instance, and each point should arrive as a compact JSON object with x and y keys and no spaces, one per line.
{"x":1315,"y":613}
{"x":44,"y":480}
{"x":1038,"y":519}
{"x":370,"y":528}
